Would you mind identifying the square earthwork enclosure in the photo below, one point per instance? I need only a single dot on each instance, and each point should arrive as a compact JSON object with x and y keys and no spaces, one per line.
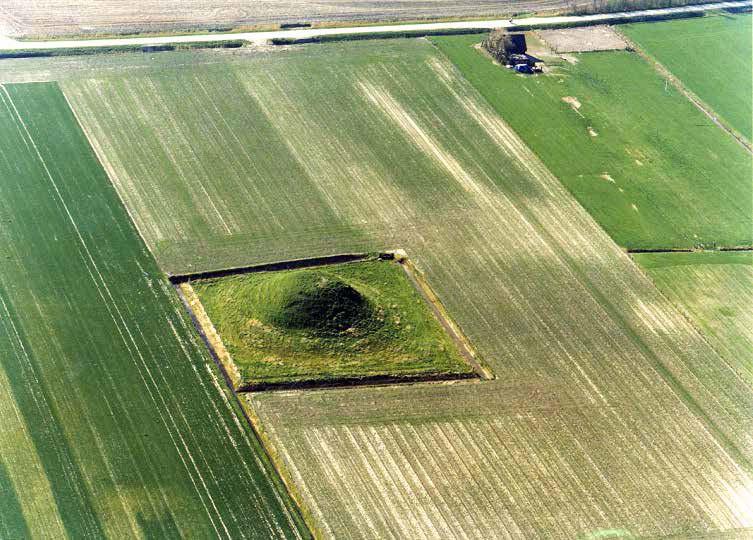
{"x":372,"y":320}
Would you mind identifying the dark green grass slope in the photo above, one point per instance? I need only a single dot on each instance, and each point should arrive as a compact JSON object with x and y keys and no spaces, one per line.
{"x":657,"y":174}
{"x":712,"y":56}
{"x":129,"y":419}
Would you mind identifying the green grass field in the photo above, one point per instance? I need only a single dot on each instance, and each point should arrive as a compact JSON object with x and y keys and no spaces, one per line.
{"x":114,"y":421}
{"x":712,"y":56}
{"x":716,"y":291}
{"x":653,"y":171}
{"x":282,"y":327}
{"x":391,"y":148}
{"x":609,"y":413}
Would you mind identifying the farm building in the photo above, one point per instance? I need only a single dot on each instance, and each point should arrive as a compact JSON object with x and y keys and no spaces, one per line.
{"x":510,"y":50}
{"x":501,"y":44}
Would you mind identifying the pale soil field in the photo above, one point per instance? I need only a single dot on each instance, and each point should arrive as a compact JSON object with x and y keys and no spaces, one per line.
{"x":609,"y":410}
{"x":20,"y":18}
{"x":584,"y":39}
{"x":715,"y":290}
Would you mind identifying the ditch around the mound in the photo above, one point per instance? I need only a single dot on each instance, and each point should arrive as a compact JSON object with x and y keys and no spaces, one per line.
{"x":369,"y":321}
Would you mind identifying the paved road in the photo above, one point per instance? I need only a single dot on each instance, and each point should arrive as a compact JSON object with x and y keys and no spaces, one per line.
{"x":264,"y":37}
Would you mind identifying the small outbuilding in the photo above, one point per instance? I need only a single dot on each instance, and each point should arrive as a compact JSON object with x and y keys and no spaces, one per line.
{"x":502,"y":44}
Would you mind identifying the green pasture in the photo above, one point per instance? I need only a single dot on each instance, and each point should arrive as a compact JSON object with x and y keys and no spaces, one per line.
{"x":114,"y":421}
{"x":652,"y":170}
{"x":712,"y":56}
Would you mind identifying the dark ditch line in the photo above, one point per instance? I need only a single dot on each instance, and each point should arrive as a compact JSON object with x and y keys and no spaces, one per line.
{"x":659,"y":250}
{"x":357,"y":382}
{"x":688,"y":250}
{"x":292,"y":264}
{"x":737,"y":249}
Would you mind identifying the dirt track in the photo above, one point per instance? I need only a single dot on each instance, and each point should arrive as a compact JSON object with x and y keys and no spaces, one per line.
{"x":22,"y":18}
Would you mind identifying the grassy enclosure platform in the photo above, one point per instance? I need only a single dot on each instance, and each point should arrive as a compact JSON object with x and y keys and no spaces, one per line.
{"x":358,"y":321}
{"x":652,"y":169}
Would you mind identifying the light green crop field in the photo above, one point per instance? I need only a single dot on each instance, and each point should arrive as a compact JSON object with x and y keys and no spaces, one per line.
{"x":652,"y":169}
{"x":610,"y":414}
{"x":712,"y":56}
{"x":716,"y":292}
{"x":349,"y":321}
{"x":114,"y":421}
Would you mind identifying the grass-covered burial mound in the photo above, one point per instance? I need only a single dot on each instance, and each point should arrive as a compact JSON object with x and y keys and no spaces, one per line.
{"x":313,"y":301}
{"x":340,"y":323}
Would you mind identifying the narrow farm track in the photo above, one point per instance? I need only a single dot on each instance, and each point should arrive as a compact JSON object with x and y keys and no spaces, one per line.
{"x":115,"y":426}
{"x":609,"y":411}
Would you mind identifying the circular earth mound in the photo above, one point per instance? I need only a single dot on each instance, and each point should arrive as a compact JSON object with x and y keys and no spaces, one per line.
{"x":311,"y":300}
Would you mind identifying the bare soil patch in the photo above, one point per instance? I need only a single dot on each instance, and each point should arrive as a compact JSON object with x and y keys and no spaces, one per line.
{"x":54,"y":18}
{"x":584,"y":39}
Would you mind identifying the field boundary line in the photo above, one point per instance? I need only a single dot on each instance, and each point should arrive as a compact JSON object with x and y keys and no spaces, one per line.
{"x":101,"y":284}
{"x":741,"y":249}
{"x":253,"y":419}
{"x":483,"y":371}
{"x":699,"y":104}
{"x":108,"y":169}
{"x":292,"y":264}
{"x":676,"y":386}
{"x":683,"y":311}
